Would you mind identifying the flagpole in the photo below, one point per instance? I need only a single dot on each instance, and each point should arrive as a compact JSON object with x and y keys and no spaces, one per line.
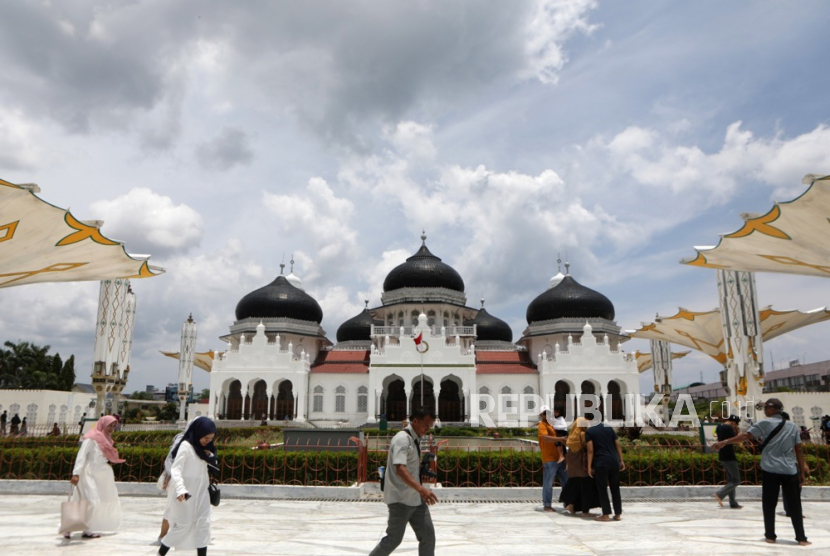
{"x":422,"y":379}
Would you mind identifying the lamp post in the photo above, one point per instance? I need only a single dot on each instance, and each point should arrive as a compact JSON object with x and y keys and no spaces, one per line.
{"x":186,"y":352}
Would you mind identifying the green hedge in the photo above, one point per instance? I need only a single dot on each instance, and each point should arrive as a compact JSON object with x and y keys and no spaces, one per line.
{"x":644,"y":466}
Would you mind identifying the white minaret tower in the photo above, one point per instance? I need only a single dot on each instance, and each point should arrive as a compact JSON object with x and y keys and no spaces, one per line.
{"x":661,"y":366}
{"x":186,"y":351}
{"x":113,"y":340}
{"x":742,"y":333}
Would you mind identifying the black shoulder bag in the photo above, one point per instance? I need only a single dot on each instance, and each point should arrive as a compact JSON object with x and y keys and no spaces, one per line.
{"x":771,"y":435}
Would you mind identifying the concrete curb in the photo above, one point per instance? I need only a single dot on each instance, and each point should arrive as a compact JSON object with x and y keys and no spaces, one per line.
{"x":371,"y":491}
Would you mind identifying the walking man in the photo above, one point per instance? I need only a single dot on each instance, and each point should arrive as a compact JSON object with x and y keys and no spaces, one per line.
{"x":81,"y":424}
{"x":605,"y":461}
{"x":403,"y":493}
{"x":553,"y":464}
{"x":727,"y":458}
{"x":782,"y":465}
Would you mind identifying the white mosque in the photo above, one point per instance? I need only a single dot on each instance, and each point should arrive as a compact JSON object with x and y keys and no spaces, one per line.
{"x":279,"y":363}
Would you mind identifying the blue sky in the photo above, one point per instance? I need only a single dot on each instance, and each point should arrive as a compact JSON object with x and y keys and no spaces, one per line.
{"x":217,"y":137}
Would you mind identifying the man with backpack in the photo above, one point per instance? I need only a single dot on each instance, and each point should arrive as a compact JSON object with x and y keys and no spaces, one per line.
{"x":403,"y":493}
{"x":782,"y":464}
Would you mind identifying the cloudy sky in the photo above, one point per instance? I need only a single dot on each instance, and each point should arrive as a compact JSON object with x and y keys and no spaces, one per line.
{"x":222,"y":137}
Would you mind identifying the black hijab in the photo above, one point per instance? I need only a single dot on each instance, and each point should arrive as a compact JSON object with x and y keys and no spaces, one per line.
{"x":199,"y":428}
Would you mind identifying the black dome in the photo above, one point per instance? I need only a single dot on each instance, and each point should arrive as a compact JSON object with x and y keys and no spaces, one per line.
{"x":489,"y":327}
{"x":569,"y":299}
{"x":357,"y":328}
{"x":423,"y":270}
{"x":279,"y":299}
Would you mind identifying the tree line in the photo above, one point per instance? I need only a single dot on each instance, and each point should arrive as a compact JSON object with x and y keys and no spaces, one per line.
{"x":28,"y":366}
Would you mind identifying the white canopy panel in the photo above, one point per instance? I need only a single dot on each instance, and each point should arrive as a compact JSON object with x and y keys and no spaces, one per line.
{"x":704,"y":331}
{"x":203,"y":360}
{"x":40,"y":242}
{"x":791,"y":238}
{"x":644,"y":359}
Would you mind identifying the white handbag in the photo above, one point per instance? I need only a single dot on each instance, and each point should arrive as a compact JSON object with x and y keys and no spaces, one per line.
{"x":73,"y":514}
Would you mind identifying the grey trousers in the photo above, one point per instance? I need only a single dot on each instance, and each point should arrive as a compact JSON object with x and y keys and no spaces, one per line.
{"x":733,"y":479}
{"x":418,"y":517}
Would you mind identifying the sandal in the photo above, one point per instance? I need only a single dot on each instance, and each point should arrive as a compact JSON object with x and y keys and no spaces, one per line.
{"x":90,"y":536}
{"x":67,"y":535}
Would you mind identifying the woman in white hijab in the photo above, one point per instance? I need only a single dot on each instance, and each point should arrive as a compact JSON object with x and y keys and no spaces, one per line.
{"x":164,"y":478}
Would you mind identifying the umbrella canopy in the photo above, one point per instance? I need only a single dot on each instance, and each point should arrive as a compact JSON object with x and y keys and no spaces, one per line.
{"x":791,"y":238}
{"x":704,"y":331}
{"x":203,"y":360}
{"x":644,"y":359}
{"x":40,"y":242}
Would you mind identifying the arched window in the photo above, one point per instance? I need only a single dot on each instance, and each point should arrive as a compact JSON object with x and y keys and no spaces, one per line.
{"x":362,"y":400}
{"x":482,"y":404}
{"x":431,"y":318}
{"x":530,"y":403}
{"x":415,"y":318}
{"x":62,"y":417}
{"x":508,"y":403}
{"x":340,"y":399}
{"x":318,"y":398}
{"x":400,"y":318}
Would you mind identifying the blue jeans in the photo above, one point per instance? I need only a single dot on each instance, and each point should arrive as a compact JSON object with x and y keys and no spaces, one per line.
{"x":550,"y":471}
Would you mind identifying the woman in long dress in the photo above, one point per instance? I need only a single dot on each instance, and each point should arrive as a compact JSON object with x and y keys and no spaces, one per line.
{"x":580,"y":494}
{"x":164,"y":479}
{"x":188,"y":501}
{"x":95,"y":479}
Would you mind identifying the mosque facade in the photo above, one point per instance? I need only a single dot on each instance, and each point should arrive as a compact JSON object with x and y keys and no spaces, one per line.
{"x":423,"y":345}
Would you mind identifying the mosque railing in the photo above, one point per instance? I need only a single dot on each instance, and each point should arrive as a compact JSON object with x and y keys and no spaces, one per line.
{"x":460,"y":462}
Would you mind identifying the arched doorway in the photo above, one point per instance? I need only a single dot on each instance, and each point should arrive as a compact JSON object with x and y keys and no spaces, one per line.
{"x":588,"y":388}
{"x":450,"y":406}
{"x":615,"y":397}
{"x":285,"y":400}
{"x":259,"y":403}
{"x":560,"y":395}
{"x":429,"y":395}
{"x":233,"y":409}
{"x":394,"y":405}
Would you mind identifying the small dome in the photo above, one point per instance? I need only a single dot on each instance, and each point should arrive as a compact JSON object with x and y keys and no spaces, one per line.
{"x":357,"y":328}
{"x":292,"y":278}
{"x":423,"y":270}
{"x":489,"y":328}
{"x":279,"y":299}
{"x":556,"y":280}
{"x":569,"y":299}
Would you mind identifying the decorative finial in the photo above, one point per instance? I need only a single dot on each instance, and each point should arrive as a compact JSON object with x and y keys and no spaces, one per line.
{"x":190,"y":318}
{"x":423,"y":237}
{"x":366,"y":301}
{"x":292,"y":263}
{"x":482,"y":302}
{"x":282,"y":267}
{"x":559,"y":263}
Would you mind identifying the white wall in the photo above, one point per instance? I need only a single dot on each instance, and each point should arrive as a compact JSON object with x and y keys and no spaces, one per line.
{"x":44,"y":407}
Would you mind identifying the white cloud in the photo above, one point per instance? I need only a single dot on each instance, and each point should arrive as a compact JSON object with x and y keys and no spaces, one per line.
{"x":552,"y":24}
{"x":149,"y":223}
{"x":321,"y":219}
{"x":19,"y":141}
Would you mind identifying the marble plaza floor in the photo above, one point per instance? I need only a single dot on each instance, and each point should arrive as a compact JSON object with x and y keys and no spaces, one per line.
{"x":283,"y":527}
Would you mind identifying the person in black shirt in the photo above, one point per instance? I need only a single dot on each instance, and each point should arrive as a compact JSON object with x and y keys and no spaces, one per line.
{"x":727,"y":458}
{"x":605,"y":461}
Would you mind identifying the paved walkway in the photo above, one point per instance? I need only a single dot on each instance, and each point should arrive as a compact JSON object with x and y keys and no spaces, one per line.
{"x":283,"y":528}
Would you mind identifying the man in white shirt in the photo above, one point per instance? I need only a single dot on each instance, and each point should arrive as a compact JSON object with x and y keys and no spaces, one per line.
{"x":403,"y":493}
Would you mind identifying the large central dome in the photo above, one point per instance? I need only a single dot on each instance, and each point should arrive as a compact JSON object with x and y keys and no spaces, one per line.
{"x":569,"y":299}
{"x":279,"y":299}
{"x":423,"y":270}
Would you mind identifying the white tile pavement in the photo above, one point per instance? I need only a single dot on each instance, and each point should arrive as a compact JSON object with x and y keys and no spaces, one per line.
{"x":307,"y":528}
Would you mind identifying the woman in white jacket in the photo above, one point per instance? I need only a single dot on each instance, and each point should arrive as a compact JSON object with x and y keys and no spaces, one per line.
{"x":188,"y":501}
{"x":95,"y":479}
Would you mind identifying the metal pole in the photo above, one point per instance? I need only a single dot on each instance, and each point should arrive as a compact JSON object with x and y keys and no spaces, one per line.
{"x":422,"y":379}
